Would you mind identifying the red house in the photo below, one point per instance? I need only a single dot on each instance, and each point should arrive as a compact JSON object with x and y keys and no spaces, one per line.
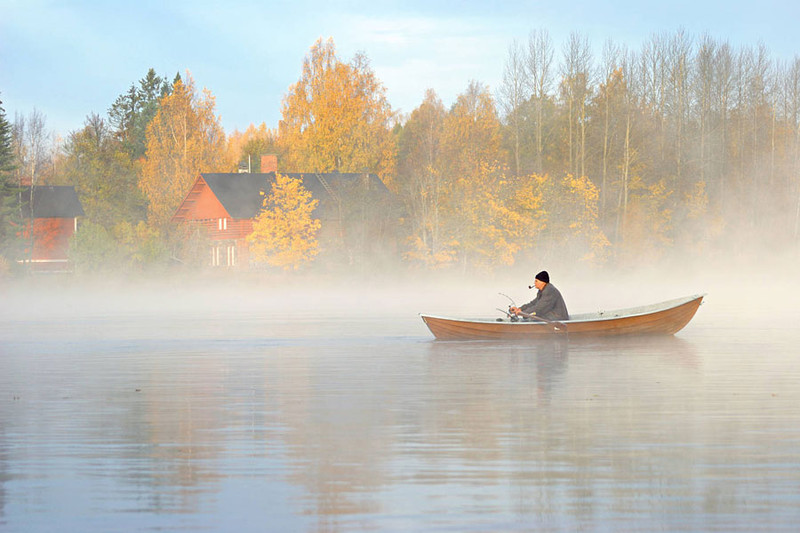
{"x":54,"y":212}
{"x":225,"y":205}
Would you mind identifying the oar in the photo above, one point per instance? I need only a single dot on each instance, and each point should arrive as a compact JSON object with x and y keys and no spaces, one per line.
{"x":559,"y":325}
{"x":513,"y":318}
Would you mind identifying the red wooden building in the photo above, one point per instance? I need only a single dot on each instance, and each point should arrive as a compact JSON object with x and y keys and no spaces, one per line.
{"x":54,"y":213}
{"x":225,"y":205}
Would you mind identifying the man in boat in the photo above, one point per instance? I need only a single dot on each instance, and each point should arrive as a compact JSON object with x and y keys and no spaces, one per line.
{"x":548,"y":304}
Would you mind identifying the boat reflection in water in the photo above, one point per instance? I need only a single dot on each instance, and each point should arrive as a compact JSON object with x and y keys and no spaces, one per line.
{"x":540,"y":366}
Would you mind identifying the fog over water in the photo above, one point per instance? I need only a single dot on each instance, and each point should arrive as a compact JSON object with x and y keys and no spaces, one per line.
{"x":246,"y":404}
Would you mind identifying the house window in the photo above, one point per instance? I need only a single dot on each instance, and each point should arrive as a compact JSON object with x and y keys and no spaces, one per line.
{"x":230,"y":256}
{"x":222,"y":223}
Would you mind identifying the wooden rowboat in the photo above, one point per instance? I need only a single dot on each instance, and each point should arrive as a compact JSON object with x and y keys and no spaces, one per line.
{"x":665,"y":318}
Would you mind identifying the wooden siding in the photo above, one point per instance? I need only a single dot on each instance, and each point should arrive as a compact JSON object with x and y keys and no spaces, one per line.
{"x":232,"y":228}
{"x":50,"y":244}
{"x":200,"y":204}
{"x":50,"y":238}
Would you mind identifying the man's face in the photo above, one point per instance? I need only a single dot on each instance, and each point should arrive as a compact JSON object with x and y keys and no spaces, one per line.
{"x":539,"y":284}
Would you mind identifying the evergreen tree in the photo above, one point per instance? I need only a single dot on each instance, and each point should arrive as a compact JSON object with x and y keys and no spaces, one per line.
{"x":9,"y":215}
{"x":131,"y":113}
{"x":6,"y":149}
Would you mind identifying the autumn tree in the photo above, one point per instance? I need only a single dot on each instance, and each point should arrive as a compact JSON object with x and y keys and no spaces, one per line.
{"x":285,"y":232}
{"x":489,"y":231}
{"x":33,"y":147}
{"x":184,"y":139}
{"x":604,"y":106}
{"x":247,"y":147}
{"x":420,"y":180}
{"x":471,"y":149}
{"x":576,"y":91}
{"x":104,"y":176}
{"x":540,"y":75}
{"x":513,"y":93}
{"x":560,"y":217}
{"x":337,"y":117}
{"x":680,"y":48}
{"x":703,"y":97}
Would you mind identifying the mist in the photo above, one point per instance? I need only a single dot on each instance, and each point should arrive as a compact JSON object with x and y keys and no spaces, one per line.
{"x":322,"y":402}
{"x":764,"y":284}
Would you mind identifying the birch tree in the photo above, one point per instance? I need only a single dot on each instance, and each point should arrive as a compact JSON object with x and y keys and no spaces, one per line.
{"x":336,"y":117}
{"x":513,"y":94}
{"x":420,"y":180}
{"x":184,"y":139}
{"x":576,"y":91}
{"x":540,"y":75}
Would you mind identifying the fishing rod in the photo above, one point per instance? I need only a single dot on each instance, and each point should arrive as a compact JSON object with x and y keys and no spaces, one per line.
{"x":512,"y":318}
{"x":509,"y":298}
{"x":529,"y":316}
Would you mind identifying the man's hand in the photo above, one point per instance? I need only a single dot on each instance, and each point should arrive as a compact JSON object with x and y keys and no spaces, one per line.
{"x":518,"y":312}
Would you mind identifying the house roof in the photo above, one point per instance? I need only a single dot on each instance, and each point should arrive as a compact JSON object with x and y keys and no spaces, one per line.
{"x":239,"y":193}
{"x":52,"y":201}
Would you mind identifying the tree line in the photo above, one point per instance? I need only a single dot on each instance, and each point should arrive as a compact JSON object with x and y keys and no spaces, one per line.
{"x":616,"y":156}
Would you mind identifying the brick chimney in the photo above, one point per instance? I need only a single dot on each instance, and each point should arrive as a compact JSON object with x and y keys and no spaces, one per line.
{"x":269,"y":163}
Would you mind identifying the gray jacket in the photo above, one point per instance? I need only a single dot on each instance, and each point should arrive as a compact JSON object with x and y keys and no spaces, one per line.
{"x":548,"y":304}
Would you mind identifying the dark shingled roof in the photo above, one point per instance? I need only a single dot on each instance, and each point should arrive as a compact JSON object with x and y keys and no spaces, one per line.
{"x":240,"y":194}
{"x":52,"y":201}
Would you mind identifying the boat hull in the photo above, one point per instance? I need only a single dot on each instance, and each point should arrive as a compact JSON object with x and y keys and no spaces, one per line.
{"x":666,"y":318}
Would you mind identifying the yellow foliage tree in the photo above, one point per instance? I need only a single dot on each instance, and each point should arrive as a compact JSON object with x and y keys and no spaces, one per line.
{"x":337,"y":117}
{"x":582,"y":198}
{"x":471,"y":133}
{"x":421,"y":184}
{"x":561,"y":216}
{"x":472,"y":179}
{"x":485,"y":229}
{"x":184,"y":139}
{"x":648,"y":223}
{"x":252,"y":144}
{"x":285,"y":233}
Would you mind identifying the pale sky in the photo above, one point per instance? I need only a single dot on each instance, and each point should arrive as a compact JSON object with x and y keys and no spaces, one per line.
{"x":70,"y":58}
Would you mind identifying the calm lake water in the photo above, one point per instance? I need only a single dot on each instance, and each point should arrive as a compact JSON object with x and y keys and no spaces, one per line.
{"x":213,"y":415}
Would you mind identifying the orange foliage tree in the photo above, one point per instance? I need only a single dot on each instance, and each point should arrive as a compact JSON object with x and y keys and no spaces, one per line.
{"x":285,"y":233}
{"x":184,"y":139}
{"x":337,"y":117}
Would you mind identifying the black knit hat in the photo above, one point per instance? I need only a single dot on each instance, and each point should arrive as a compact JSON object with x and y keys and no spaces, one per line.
{"x":543,"y":276}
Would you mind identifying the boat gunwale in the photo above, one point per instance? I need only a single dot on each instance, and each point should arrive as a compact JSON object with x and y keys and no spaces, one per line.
{"x":642,"y":310}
